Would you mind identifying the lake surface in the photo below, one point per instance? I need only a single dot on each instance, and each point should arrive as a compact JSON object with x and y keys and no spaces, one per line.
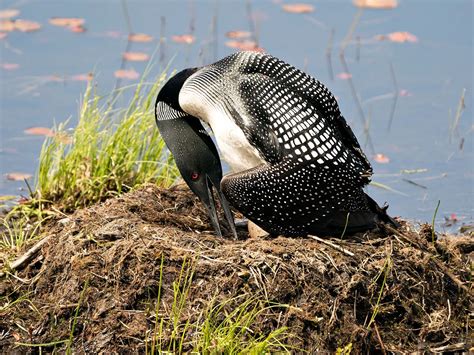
{"x":428,"y":161}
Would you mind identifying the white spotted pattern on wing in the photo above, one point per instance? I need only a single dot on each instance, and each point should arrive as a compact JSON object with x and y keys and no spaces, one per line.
{"x":265,"y":113}
{"x":246,"y":80}
{"x":292,"y":199}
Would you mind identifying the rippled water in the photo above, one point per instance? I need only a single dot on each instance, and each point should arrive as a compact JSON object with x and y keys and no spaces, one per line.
{"x":431,"y":75}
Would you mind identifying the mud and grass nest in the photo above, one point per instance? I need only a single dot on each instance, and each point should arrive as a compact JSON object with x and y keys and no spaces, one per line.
{"x":94,"y":285}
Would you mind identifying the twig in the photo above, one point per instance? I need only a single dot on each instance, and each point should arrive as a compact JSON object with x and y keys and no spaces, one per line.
{"x":439,"y":264}
{"x":252,"y":25}
{"x":192,"y":29}
{"x":344,"y":44}
{"x":459,"y":111}
{"x":367,"y":127}
{"x":453,"y":277}
{"x":395,"y":97}
{"x":357,"y":100}
{"x":354,"y":23}
{"x":29,"y":187}
{"x":162,"y":41}
{"x":330,"y":259}
{"x":345,"y":225}
{"x":379,"y":338}
{"x":192,"y":20}
{"x":404,"y":237}
{"x":127,"y":16}
{"x":450,"y":347}
{"x":433,"y":223}
{"x":333,"y":312}
{"x":127,"y":49}
{"x":415,"y":183}
{"x":332,"y":245}
{"x":386,"y":187}
{"x":358,"y":49}
{"x":22,"y":260}
{"x":215,"y":29}
{"x":329,"y":54}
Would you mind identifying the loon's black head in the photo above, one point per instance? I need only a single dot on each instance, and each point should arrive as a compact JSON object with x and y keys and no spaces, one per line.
{"x":193,"y":149}
{"x":169,"y":93}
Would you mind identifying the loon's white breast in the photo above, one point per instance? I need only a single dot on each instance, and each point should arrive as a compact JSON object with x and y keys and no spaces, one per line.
{"x":234,"y":147}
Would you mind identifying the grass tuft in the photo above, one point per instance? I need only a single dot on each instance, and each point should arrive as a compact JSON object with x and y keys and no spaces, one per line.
{"x":108,"y":152}
{"x":223,"y":327}
{"x":16,"y":232}
{"x":231,"y":332}
{"x":385,"y":271}
{"x":433,"y":223}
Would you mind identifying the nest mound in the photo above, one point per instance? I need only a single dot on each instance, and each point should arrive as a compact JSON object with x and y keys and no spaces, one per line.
{"x":97,"y":279}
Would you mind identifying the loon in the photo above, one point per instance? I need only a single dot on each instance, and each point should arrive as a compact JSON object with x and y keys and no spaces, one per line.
{"x":296,"y":166}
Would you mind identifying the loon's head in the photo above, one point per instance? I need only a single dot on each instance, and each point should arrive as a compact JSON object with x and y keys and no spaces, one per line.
{"x":194,"y":151}
{"x":169,"y":93}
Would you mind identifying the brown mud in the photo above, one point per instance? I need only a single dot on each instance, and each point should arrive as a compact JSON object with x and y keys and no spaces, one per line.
{"x":99,"y":275}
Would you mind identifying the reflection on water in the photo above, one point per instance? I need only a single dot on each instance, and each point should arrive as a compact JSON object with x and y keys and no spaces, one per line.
{"x":425,"y":156}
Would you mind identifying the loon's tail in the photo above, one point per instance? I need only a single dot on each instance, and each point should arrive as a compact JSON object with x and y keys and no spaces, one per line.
{"x":381,"y":212}
{"x":356,"y":221}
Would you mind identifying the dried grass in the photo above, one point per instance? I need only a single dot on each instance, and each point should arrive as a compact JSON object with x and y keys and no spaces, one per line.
{"x":399,"y":292}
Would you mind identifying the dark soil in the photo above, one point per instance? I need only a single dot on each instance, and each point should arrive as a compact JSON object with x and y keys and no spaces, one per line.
{"x":116,"y":249}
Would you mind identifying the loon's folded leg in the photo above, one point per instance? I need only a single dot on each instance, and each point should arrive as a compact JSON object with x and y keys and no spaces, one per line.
{"x":294,"y":198}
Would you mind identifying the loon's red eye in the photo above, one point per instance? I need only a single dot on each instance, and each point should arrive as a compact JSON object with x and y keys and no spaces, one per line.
{"x":194,"y":176}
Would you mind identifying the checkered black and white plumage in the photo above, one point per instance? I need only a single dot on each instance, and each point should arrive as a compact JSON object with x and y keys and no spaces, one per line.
{"x":297,"y":166}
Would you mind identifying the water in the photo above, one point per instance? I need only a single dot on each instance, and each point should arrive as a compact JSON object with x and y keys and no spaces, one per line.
{"x":431,"y":75}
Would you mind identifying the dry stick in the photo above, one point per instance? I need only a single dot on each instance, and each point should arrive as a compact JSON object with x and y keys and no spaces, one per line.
{"x":209,"y":45}
{"x":332,"y":245}
{"x":192,"y":20}
{"x":329,"y":54}
{"x":127,"y":49}
{"x":450,"y":347}
{"x":357,"y":101}
{"x":459,"y":111}
{"x":162,"y":41}
{"x":349,"y":34}
{"x":252,"y":25}
{"x":127,"y":16}
{"x":440,"y":265}
{"x":367,"y":126}
{"x":192,"y":29}
{"x":358,"y":49}
{"x":395,"y":97}
{"x":214,"y":43}
{"x":305,"y":64}
{"x":379,"y":338}
{"x":22,"y":260}
{"x":345,"y":42}
{"x":415,"y":183}
{"x":215,"y":28}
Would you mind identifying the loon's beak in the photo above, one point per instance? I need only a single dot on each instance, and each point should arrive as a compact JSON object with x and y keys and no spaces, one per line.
{"x":211,"y":208}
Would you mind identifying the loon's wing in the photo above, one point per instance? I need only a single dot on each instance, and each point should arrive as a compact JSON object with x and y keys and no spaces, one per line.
{"x":304,"y":132}
{"x":302,"y":92}
{"x":293,"y":198}
{"x":300,"y":110}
